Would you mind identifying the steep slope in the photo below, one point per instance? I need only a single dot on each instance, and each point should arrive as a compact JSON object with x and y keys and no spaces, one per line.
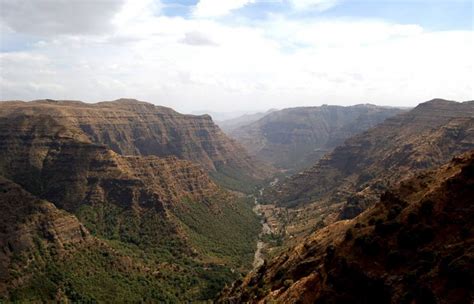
{"x":295,"y":138}
{"x":26,"y":223}
{"x":131,"y":127}
{"x":354,"y":175}
{"x":47,"y":255}
{"x":415,"y":246}
{"x":163,"y":214}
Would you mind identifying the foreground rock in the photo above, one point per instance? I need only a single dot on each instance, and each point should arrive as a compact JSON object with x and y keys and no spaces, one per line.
{"x":416,"y":245}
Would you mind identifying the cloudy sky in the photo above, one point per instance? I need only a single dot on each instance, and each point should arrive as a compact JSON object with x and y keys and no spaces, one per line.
{"x":229,"y":55}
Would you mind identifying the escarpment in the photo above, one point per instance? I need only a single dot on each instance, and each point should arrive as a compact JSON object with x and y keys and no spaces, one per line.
{"x":157,"y":225}
{"x":351,"y":178}
{"x":130,"y":127}
{"x":415,"y":245}
{"x":295,"y":138}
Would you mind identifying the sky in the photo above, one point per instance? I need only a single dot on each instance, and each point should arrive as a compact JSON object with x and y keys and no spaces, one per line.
{"x":238,"y":55}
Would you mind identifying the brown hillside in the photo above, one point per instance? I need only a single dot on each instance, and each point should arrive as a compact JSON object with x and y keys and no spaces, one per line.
{"x":416,"y":245}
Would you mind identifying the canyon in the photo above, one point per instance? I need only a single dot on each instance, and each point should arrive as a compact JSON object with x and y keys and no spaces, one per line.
{"x":102,"y":173}
{"x":414,"y":246}
{"x":352,"y":177}
{"x":295,"y":138}
{"x":127,"y":200}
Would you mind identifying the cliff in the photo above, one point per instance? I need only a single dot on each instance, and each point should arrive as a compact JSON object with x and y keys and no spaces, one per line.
{"x":296,"y":138}
{"x":415,"y":245}
{"x":352,"y":177}
{"x":131,"y":127}
{"x":159,"y":225}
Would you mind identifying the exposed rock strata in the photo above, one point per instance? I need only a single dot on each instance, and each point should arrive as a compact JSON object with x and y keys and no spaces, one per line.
{"x":296,"y":138}
{"x":352,"y":177}
{"x":130,"y":127}
{"x":416,"y":245}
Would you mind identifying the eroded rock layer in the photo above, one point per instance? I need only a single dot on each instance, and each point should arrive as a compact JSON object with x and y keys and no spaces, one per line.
{"x":416,"y":245}
{"x":296,"y":138}
{"x":351,"y":178}
{"x":131,"y":127}
{"x":157,"y":228}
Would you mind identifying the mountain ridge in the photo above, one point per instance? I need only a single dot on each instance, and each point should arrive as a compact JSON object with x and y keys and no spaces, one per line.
{"x":131,"y":127}
{"x":295,"y":138}
{"x":351,"y":178}
{"x":142,"y":211}
{"x":414,"y":246}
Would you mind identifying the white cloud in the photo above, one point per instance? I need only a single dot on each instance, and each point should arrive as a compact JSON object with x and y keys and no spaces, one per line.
{"x":275,"y":63}
{"x":217,"y":8}
{"x":198,"y":39}
{"x":53,"y":17}
{"x":320,"y":5}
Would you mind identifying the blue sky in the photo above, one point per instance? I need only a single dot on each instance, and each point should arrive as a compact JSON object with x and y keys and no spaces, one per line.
{"x":435,"y":15}
{"x":231,"y":55}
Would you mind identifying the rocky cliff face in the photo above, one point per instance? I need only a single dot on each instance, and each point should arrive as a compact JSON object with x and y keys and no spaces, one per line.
{"x":130,"y":127}
{"x":159,"y":218}
{"x":415,"y":245}
{"x":353,"y":176}
{"x":296,"y":138}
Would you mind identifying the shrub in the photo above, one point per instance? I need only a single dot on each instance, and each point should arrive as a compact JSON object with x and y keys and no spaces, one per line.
{"x":349,"y":235}
{"x":368,"y":244}
{"x":414,"y":237}
{"x":394,"y":258}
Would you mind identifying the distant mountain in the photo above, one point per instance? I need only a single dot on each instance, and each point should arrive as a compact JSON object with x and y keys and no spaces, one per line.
{"x":222,"y":116}
{"x":131,"y":127}
{"x":230,"y":125}
{"x":416,"y":245}
{"x":296,"y":138}
{"x":85,"y":204}
{"x":352,"y":177}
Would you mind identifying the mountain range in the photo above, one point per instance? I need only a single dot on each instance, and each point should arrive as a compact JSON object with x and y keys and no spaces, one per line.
{"x":118,"y":195}
{"x":414,"y":246}
{"x":125,"y":201}
{"x":352,"y":177}
{"x":295,"y":138}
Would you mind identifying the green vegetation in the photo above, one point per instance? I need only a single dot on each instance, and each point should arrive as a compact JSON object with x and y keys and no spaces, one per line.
{"x":145,"y":257}
{"x":229,"y":235}
{"x":235,"y":179}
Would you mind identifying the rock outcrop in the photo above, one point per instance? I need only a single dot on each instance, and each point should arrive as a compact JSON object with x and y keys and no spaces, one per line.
{"x":416,"y":245}
{"x":296,"y":138}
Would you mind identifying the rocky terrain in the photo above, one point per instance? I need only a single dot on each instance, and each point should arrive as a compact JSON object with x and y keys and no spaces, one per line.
{"x":415,"y":245}
{"x":352,"y":177}
{"x":126,"y":200}
{"x":71,"y":186}
{"x":295,"y":138}
{"x":131,"y":127}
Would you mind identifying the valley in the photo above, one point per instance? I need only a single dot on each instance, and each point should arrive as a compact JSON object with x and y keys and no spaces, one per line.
{"x":236,"y":152}
{"x":156,"y":206}
{"x":160,"y":220}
